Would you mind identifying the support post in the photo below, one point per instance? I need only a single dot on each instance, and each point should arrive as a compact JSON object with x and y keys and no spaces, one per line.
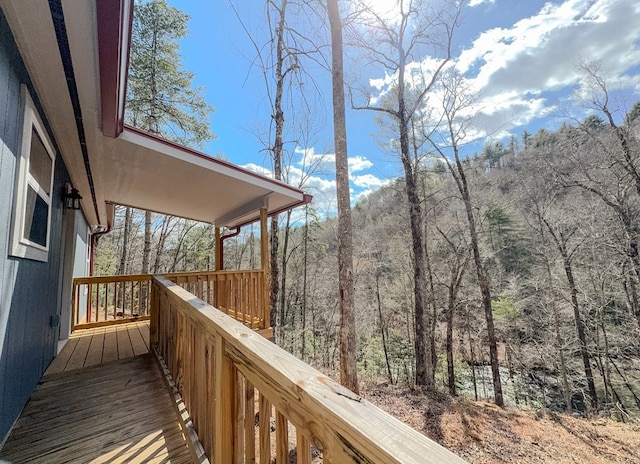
{"x":219,"y":265}
{"x":218,"y":251}
{"x":264,"y":261}
{"x":154,"y":313}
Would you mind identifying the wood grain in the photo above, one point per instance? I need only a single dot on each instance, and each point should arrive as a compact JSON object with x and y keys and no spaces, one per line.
{"x":98,"y":345}
{"x":344,"y":426}
{"x":117,"y":412}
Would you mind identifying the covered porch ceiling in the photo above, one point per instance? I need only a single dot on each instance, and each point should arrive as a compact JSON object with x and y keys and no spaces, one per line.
{"x":111,"y":163}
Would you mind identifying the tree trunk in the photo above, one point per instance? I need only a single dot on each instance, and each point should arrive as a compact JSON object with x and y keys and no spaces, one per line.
{"x":424,"y":376}
{"x":283,"y":278}
{"x":276,"y":154}
{"x":450,"y":367}
{"x":473,"y":357}
{"x":483,"y":279}
{"x":582,"y":339}
{"x":563,"y":364}
{"x":303,"y":306}
{"x":382,"y":329}
{"x":348,"y":369}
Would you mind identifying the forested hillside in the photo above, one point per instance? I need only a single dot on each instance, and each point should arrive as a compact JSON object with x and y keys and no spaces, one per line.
{"x":557,"y":220}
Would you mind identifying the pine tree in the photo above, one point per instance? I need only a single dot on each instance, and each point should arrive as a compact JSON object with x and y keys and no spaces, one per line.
{"x":161,"y":98}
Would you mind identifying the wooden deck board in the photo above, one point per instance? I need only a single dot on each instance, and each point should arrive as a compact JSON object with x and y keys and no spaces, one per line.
{"x":144,"y":331}
{"x":98,"y":345}
{"x":60,"y":361}
{"x":79,"y":354}
{"x":117,"y":412}
{"x":125,"y":350}
{"x":138,"y":341}
{"x":94,"y":356}
{"x":110,"y":351}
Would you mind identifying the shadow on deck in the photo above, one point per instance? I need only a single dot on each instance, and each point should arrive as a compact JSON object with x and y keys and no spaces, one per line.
{"x":116,"y":411}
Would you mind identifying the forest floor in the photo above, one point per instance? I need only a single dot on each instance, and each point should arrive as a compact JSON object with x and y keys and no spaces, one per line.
{"x":481,"y":432}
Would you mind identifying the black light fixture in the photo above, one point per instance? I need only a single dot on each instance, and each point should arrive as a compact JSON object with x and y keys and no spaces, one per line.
{"x":71,"y":197}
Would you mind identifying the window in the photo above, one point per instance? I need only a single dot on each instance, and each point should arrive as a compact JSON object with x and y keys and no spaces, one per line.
{"x":34,"y":184}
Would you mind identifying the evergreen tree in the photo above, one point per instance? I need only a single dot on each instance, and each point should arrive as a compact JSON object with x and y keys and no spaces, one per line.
{"x":160,"y":96}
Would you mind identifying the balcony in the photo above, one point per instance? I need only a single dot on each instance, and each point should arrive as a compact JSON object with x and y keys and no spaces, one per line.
{"x":236,"y":397}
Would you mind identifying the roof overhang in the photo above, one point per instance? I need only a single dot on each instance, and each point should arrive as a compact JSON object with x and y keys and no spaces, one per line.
{"x":160,"y":176}
{"x":127,"y":166}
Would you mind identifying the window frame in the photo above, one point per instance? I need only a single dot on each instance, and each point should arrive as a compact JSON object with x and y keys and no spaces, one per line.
{"x":20,"y":246}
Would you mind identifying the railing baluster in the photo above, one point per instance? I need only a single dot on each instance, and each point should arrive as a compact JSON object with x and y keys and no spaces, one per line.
{"x":209,"y":431}
{"x":282,"y":438}
{"x":88,"y":304}
{"x":115,"y":296}
{"x":303,"y":448}
{"x":131,"y":303}
{"x":265,"y":430}
{"x":238,"y":437}
{"x":105,"y":289}
{"x":249,"y":423}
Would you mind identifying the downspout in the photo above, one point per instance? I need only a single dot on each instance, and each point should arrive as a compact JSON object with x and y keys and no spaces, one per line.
{"x":220,"y":245}
{"x":94,"y":243}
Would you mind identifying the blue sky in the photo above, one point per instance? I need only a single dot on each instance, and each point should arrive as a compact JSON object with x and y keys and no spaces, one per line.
{"x":520,"y":55}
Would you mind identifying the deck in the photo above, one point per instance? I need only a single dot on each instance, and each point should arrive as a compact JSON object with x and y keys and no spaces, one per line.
{"x":92,"y":347}
{"x":117,"y":410}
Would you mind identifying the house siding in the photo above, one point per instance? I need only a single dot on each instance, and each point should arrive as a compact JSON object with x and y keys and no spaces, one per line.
{"x":29,"y":290}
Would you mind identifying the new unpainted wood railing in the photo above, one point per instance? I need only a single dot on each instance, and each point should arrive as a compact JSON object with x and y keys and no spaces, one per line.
{"x":241,"y":294}
{"x":119,"y":299}
{"x":106,"y":300}
{"x":250,"y":401}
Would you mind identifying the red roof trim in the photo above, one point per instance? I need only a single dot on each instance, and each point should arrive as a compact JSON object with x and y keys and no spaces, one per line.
{"x":115,"y":19}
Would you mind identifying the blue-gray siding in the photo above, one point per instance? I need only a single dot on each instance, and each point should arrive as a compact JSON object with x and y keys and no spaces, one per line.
{"x":29,"y":290}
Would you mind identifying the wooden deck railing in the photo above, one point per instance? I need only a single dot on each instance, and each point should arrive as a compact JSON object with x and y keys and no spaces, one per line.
{"x":238,"y":386}
{"x":241,"y":294}
{"x":118,"y":299}
{"x":110,"y":300}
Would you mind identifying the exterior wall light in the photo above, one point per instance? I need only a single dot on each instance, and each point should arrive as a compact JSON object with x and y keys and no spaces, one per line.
{"x":71,"y":197}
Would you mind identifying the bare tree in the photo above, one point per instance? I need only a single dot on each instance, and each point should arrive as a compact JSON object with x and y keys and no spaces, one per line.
{"x":395,"y":44}
{"x":348,"y":369}
{"x":455,"y":99}
{"x":279,"y":60}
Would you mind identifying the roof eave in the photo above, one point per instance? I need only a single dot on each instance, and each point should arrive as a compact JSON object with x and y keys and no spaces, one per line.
{"x":115,"y":19}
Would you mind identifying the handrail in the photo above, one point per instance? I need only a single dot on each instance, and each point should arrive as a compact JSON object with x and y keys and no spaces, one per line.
{"x":241,"y":294}
{"x":222,"y":369}
{"x":106,"y":300}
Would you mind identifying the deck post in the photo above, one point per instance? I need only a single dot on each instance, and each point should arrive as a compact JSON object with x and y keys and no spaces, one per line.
{"x":154,"y":313}
{"x":218,"y":251}
{"x":264,"y":261}
{"x":219,"y":265}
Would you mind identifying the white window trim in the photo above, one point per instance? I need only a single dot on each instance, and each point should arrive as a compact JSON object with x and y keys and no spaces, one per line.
{"x":20,"y":246}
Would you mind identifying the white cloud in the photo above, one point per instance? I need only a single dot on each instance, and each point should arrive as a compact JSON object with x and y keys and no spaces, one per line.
{"x":519,"y":72}
{"x":473,"y":3}
{"x":514,"y":69}
{"x":359,"y":163}
{"x":258,"y":169}
{"x":368,"y":181}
